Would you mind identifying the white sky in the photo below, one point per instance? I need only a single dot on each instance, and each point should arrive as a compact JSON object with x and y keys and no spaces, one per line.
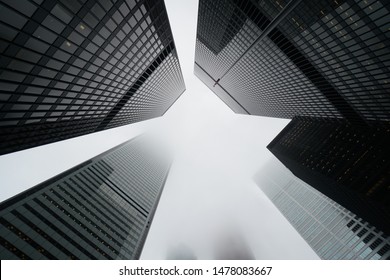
{"x":210,"y":186}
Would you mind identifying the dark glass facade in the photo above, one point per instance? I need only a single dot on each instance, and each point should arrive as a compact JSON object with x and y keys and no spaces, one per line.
{"x":332,"y":231}
{"x":323,"y":58}
{"x":100,"y":209}
{"x":325,"y":64}
{"x":348,"y":163}
{"x":69,"y":68}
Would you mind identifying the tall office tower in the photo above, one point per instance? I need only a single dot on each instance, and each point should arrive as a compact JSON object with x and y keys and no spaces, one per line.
{"x":70,"y":68}
{"x":332,"y":231}
{"x":100,"y":209}
{"x":324,"y":58}
{"x":348,"y":163}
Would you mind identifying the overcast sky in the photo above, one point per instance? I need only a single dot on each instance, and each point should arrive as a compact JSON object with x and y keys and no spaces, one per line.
{"x":210,"y":191}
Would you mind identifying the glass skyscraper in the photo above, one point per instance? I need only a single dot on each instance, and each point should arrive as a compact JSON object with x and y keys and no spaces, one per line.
{"x":326,"y":65}
{"x":70,"y":68}
{"x":332,"y":231}
{"x":277,"y":58}
{"x":348,"y":163}
{"x":100,"y":209}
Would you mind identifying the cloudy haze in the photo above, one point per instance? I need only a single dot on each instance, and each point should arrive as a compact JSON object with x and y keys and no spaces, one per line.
{"x":209,"y":189}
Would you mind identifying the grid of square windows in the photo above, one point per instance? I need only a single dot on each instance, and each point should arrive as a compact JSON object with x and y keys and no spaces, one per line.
{"x":347,"y":162}
{"x":220,"y":92}
{"x":76,"y":61}
{"x":215,"y":19}
{"x":348,"y":44}
{"x":326,"y":58}
{"x":351,"y":156}
{"x":147,"y":100}
{"x":279,"y":88}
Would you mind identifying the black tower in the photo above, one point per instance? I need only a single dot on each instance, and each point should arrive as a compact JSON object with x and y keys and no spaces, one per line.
{"x":70,"y":68}
{"x":323,"y":58}
{"x":326,"y":65}
{"x":349,"y":164}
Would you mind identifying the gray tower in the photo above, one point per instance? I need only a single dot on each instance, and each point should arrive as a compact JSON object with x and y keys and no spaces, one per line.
{"x":100,"y":209}
{"x":332,"y":231}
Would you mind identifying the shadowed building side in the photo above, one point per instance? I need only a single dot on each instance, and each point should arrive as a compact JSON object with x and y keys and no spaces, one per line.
{"x":349,"y":164}
{"x":325,"y":61}
{"x":69,"y":69}
{"x":306,"y":58}
{"x":332,"y":231}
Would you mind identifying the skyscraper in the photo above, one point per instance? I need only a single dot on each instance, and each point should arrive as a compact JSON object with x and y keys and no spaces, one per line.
{"x":332,"y":231}
{"x":324,"y":63}
{"x":70,"y":68}
{"x":100,"y":209}
{"x":348,"y":163}
{"x":276,"y":58}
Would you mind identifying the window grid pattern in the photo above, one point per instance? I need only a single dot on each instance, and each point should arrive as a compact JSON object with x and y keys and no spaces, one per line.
{"x":348,"y":163}
{"x":220,"y":92}
{"x":348,"y":44}
{"x":332,"y":231}
{"x":148,"y":101}
{"x":326,"y":58}
{"x":278,"y":89}
{"x":71,"y":65}
{"x":341,"y":140}
{"x":101,"y":210}
{"x":223,"y":24}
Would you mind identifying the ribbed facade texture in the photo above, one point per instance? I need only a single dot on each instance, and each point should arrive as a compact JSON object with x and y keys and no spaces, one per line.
{"x":70,"y":68}
{"x":332,"y":231}
{"x":348,"y":163}
{"x":326,"y":65}
{"x":100,"y":209}
{"x":324,"y":58}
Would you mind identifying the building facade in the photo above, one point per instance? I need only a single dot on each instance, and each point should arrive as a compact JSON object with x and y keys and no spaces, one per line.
{"x":100,"y":209}
{"x":348,"y":163}
{"x":283,"y":59}
{"x":332,"y":231}
{"x":324,"y":63}
{"x":70,"y":68}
